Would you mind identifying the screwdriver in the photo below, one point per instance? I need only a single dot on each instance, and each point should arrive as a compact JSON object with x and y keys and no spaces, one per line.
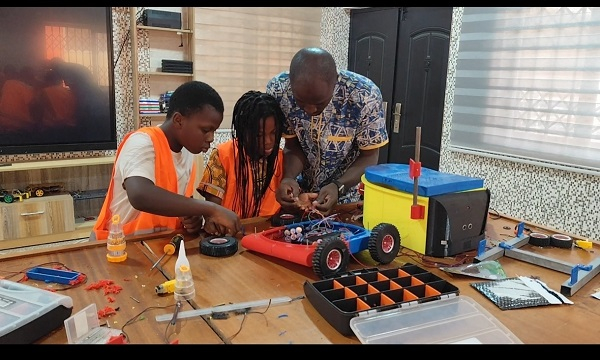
{"x":169,"y":249}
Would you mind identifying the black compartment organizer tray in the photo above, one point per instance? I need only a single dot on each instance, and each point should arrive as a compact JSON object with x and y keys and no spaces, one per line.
{"x":343,"y":297}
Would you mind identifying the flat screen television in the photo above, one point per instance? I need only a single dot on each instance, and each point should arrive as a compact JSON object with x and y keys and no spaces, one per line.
{"x":56,"y":80}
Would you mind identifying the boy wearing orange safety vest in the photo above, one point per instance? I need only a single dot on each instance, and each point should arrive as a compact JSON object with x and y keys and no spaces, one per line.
{"x":154,"y":170}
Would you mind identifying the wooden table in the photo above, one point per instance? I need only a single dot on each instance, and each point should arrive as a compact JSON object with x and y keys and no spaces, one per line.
{"x":137,"y":283}
{"x":248,"y":276}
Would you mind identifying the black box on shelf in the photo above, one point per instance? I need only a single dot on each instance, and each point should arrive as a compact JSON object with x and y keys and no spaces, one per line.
{"x":177,"y":66}
{"x":160,"y":18}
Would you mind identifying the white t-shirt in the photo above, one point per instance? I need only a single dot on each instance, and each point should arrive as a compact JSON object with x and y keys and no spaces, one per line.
{"x":137,"y":159}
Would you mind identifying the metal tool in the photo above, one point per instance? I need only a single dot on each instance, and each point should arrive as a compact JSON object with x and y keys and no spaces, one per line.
{"x":169,"y":249}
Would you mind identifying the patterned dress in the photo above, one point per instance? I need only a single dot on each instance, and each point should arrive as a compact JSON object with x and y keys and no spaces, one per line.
{"x":352,"y":121}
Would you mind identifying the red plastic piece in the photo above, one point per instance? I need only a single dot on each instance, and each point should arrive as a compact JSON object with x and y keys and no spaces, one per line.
{"x":106,"y":312}
{"x":117,"y":339}
{"x":263,"y":243}
{"x":417,"y":211}
{"x":414,"y":169}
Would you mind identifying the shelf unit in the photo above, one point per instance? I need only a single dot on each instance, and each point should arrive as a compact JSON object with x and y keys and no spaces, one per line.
{"x":156,"y":77}
{"x":50,"y":218}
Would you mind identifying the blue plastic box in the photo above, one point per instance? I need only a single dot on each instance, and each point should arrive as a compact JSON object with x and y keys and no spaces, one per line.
{"x":431,"y":182}
{"x":53,"y":275}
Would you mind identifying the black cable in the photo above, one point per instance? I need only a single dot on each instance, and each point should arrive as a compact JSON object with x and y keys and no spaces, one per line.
{"x":246,"y":312}
{"x":138,"y":20}
{"x":135,"y":318}
{"x":496,"y":214}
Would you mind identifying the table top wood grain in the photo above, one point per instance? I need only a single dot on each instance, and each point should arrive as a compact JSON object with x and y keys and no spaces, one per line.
{"x":248,"y":276}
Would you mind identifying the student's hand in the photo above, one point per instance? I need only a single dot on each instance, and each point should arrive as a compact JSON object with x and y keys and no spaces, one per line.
{"x":192,"y":224}
{"x":223,"y":222}
{"x":287,"y":193}
{"x":328,"y":197}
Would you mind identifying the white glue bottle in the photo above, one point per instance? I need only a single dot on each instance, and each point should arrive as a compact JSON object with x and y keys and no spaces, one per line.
{"x":184,"y":283}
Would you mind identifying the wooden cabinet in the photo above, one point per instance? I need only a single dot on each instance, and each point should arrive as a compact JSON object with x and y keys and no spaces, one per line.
{"x":149,"y":46}
{"x":51,"y":218}
{"x":52,"y":214}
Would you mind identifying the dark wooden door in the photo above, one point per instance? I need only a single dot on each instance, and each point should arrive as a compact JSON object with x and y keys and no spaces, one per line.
{"x":372,"y":53}
{"x":422,"y":38}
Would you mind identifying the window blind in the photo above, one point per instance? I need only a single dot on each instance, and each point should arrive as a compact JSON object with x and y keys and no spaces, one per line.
{"x":528,"y":85}
{"x":241,"y":48}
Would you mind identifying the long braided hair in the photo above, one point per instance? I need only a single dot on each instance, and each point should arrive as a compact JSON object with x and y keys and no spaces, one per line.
{"x":248,"y":113}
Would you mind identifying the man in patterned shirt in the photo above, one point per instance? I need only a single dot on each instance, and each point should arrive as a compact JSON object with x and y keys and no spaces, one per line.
{"x":334,"y":129}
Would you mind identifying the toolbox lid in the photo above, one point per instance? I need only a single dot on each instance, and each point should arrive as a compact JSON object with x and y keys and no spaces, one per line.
{"x":453,"y":320}
{"x":430,"y":182}
{"x":21,"y":304}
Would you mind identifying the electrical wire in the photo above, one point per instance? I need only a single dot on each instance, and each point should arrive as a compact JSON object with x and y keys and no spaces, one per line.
{"x":431,"y":262}
{"x":245,"y":312}
{"x":138,"y":17}
{"x":494,"y":214}
{"x":136,"y":318}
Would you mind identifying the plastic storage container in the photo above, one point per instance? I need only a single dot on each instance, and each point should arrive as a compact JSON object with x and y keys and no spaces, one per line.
{"x":455,"y":320}
{"x":341,"y":298}
{"x":403,"y":305}
{"x":28,"y":313}
{"x":116,"y":244}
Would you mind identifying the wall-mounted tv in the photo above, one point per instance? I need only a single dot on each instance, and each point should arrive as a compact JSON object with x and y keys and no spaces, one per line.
{"x":56,"y":80}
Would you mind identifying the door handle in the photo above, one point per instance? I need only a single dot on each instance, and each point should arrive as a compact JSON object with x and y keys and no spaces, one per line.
{"x":397,"y":112}
{"x":33,"y":213}
{"x":384,"y":110}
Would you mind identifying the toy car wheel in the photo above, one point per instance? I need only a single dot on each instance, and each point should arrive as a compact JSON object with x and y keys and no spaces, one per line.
{"x":8,"y":198}
{"x":384,"y":243}
{"x":331,"y":256}
{"x":219,"y":246}
{"x":39,"y":192}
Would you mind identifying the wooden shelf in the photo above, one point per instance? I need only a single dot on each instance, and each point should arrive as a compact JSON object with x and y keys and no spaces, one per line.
{"x":160,"y":73}
{"x":149,"y":81}
{"x":52,"y":164}
{"x":155,"y":28}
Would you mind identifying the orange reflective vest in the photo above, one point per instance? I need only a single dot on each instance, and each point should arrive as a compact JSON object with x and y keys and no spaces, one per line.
{"x":165,"y":177}
{"x":269,"y":205}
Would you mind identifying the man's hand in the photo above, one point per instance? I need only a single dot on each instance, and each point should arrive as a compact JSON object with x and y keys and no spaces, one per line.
{"x":328,"y":197}
{"x":192,"y":224}
{"x":287,"y":193}
{"x":305,"y":201}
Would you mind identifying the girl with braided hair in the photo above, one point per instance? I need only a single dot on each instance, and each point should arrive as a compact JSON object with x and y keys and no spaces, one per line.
{"x":243,"y":173}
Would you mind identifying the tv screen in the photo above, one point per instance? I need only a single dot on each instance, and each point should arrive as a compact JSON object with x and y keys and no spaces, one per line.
{"x":56,"y":80}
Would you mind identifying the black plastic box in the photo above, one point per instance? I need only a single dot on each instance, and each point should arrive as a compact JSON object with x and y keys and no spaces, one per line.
{"x":341,"y":298}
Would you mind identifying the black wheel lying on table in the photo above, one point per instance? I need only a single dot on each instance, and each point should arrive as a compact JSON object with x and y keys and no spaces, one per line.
{"x":384,"y":243}
{"x":331,"y":257}
{"x":218,"y":246}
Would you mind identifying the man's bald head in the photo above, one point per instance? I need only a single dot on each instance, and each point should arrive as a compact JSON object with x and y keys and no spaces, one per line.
{"x":312,"y":63}
{"x":313,"y":76}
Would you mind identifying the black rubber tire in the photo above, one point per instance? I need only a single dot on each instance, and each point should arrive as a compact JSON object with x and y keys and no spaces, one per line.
{"x":561,"y":241}
{"x":539,"y":239}
{"x":285,"y":218}
{"x":219,"y":246}
{"x":384,"y":243}
{"x":331,"y":257}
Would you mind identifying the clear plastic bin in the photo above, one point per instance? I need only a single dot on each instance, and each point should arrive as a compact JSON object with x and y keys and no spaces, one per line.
{"x":455,"y":320}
